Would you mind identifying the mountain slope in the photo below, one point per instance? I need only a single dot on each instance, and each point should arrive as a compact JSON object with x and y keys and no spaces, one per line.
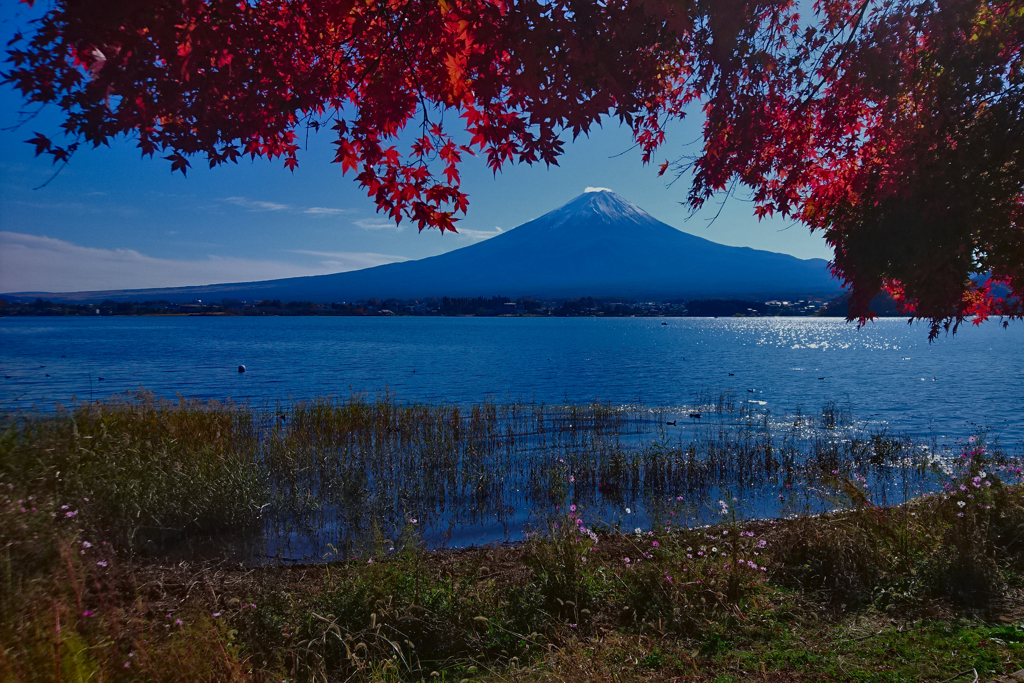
{"x":598,"y":244}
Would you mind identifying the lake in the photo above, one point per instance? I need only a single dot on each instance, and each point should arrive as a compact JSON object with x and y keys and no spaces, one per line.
{"x":783,"y":401}
{"x":885,"y":374}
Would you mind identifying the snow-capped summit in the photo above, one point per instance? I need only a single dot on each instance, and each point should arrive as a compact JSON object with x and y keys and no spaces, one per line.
{"x":597,"y":204}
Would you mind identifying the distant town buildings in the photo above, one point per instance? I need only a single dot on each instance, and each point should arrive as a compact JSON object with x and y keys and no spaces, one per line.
{"x":436,"y":306}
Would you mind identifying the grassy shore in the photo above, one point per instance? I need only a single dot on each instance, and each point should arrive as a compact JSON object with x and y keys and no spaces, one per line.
{"x":94,"y":503}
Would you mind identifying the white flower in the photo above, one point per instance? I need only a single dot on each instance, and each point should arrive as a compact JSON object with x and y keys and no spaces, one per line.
{"x":628,"y":511}
{"x":960,"y":503}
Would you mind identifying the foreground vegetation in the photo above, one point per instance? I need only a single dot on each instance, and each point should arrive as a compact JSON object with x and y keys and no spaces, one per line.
{"x":99,"y":583}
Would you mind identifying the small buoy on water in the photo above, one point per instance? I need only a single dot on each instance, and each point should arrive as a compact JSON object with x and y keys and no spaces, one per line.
{"x":241,"y":368}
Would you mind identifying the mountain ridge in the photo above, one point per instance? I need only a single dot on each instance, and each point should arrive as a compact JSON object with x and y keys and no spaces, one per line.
{"x":597,"y":244}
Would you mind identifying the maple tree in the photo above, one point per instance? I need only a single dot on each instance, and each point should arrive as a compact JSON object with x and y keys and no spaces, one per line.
{"x":892,"y":126}
{"x":895,"y":128}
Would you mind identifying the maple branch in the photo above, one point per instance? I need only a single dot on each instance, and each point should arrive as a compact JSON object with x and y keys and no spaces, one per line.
{"x":625,"y":151}
{"x":55,"y":174}
{"x":721,"y":206}
{"x":26,"y":117}
{"x":377,"y":60}
{"x":842,"y":53}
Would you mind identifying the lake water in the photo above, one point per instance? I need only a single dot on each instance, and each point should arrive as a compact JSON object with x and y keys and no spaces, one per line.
{"x":885,"y":376}
{"x":886,"y":373}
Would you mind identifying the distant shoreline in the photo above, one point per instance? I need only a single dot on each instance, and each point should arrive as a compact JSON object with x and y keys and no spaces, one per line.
{"x":457,"y":307}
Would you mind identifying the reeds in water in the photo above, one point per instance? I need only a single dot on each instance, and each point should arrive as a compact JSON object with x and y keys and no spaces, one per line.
{"x":333,"y":478}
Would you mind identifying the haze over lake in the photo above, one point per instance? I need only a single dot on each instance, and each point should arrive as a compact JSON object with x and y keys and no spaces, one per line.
{"x":886,"y":374}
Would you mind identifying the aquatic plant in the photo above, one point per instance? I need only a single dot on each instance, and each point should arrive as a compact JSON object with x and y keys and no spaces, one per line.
{"x":319,"y":479}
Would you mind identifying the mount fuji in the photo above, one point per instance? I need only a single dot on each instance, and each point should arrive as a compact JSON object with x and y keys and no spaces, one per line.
{"x":598,"y":244}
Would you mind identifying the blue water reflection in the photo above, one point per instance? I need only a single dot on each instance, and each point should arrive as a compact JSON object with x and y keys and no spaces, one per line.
{"x":886,"y":373}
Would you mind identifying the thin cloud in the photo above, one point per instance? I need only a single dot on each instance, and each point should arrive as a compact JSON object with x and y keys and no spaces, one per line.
{"x":80,"y":207}
{"x":351,"y":260}
{"x":317,"y":211}
{"x":376,"y":224}
{"x":255,"y":204}
{"x":324,"y":211}
{"x":479,"y":235}
{"x":30,"y":263}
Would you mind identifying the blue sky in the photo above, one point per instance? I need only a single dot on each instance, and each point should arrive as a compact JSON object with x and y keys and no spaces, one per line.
{"x":113,"y":220}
